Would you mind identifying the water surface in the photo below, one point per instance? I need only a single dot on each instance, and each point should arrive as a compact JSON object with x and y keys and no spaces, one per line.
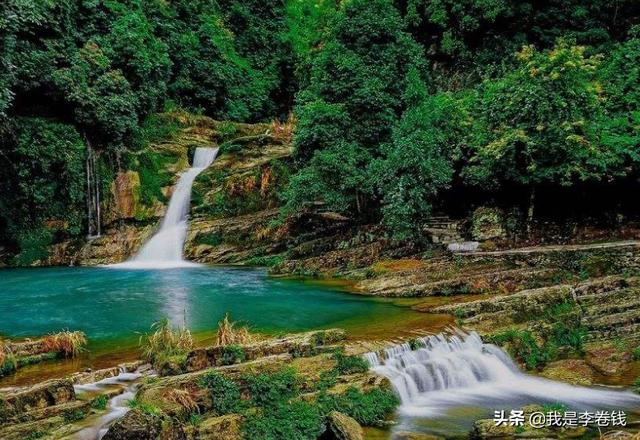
{"x":111,"y":303}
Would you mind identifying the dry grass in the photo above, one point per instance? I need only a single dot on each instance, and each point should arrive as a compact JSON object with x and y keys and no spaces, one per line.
{"x":165,"y":341}
{"x":182,"y":398}
{"x":3,"y":352}
{"x":231,"y":333}
{"x":283,"y":131}
{"x":70,"y":344}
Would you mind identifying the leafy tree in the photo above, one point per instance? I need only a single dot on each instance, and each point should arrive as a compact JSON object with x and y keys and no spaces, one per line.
{"x":533,"y":126}
{"x":353,"y":98}
{"x":419,"y":162}
{"x":42,"y":177}
{"x":618,"y":127}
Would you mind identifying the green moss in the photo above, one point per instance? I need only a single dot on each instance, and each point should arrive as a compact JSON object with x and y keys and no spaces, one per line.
{"x":266,"y":260}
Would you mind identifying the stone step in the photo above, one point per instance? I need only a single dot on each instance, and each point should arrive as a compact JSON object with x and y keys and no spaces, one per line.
{"x":614,"y":320}
{"x":606,"y":298}
{"x":620,"y":301}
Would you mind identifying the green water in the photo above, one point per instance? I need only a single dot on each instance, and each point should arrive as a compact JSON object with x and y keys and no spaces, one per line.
{"x":116,"y":304}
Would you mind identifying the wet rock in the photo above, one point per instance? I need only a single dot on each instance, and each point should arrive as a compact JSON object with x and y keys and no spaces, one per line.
{"x":608,"y":361}
{"x":227,"y":427}
{"x":487,"y":224}
{"x":49,"y":393}
{"x":297,"y":345}
{"x":573,"y":371}
{"x":343,"y":427}
{"x":405,"y":435}
{"x":135,"y":425}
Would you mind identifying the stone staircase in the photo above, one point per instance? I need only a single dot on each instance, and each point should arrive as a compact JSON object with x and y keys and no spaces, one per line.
{"x":443,"y":230}
{"x":611,"y":309}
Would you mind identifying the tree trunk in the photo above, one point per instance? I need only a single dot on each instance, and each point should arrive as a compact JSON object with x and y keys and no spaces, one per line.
{"x":531,"y":210}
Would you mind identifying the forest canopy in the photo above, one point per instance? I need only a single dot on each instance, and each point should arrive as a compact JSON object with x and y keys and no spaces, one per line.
{"x":396,"y":102}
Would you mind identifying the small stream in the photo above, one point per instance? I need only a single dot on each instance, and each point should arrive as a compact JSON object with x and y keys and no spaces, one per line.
{"x":452,"y":380}
{"x":117,"y":406}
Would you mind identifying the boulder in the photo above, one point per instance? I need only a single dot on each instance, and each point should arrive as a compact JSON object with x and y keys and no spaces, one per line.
{"x":135,"y":425}
{"x":227,"y":427}
{"x":342,"y":427}
{"x":573,"y":371}
{"x":42,"y":395}
{"x":487,"y":224}
{"x":608,"y":361}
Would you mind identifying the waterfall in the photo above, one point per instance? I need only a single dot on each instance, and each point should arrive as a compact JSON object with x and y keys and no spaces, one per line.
{"x":164,"y":249}
{"x":459,"y":370}
{"x":93,"y":194}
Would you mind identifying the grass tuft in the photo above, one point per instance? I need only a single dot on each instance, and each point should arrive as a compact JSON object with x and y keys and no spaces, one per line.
{"x":165,"y":342}
{"x":70,"y":344}
{"x":230,"y":333}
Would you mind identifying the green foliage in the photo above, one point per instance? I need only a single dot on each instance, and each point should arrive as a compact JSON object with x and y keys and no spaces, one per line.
{"x":349,"y":364}
{"x":33,"y":245}
{"x":36,"y":435}
{"x":265,"y":260}
{"x":418,"y":163}
{"x":369,"y":408}
{"x":269,"y":390}
{"x":224,"y":393}
{"x":524,"y":347}
{"x":73,"y":415}
{"x":9,"y":364}
{"x":144,"y":407}
{"x":533,"y":125}
{"x":232,"y":354}
{"x":353,"y":97}
{"x":100,"y":402}
{"x":636,"y":354}
{"x":567,"y":329}
{"x":296,"y":421}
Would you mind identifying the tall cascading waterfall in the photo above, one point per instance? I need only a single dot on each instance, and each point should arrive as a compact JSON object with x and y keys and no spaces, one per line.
{"x":93,"y":194}
{"x":460,"y":370}
{"x":164,"y":249}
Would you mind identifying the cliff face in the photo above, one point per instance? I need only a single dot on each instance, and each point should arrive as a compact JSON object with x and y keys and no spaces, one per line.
{"x":236,"y":196}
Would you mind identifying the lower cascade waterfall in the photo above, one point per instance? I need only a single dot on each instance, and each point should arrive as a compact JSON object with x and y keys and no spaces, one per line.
{"x":164,"y":249}
{"x":459,"y":370}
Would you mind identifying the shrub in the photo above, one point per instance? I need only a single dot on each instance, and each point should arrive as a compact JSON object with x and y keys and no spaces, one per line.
{"x":272,"y":389}
{"x":34,"y":246}
{"x":294,"y":421}
{"x":369,"y":408}
{"x":8,"y":362}
{"x":100,"y":402}
{"x":165,"y":342}
{"x":69,"y":344}
{"x":232,"y":354}
{"x":636,"y":353}
{"x":349,"y":364}
{"x":224,"y":393}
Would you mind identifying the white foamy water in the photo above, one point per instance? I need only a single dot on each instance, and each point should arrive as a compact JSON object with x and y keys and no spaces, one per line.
{"x":461,"y":371}
{"x":164,"y":249}
{"x":117,"y":407}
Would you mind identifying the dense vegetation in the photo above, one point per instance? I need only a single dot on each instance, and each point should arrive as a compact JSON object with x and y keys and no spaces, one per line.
{"x":396,"y":101}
